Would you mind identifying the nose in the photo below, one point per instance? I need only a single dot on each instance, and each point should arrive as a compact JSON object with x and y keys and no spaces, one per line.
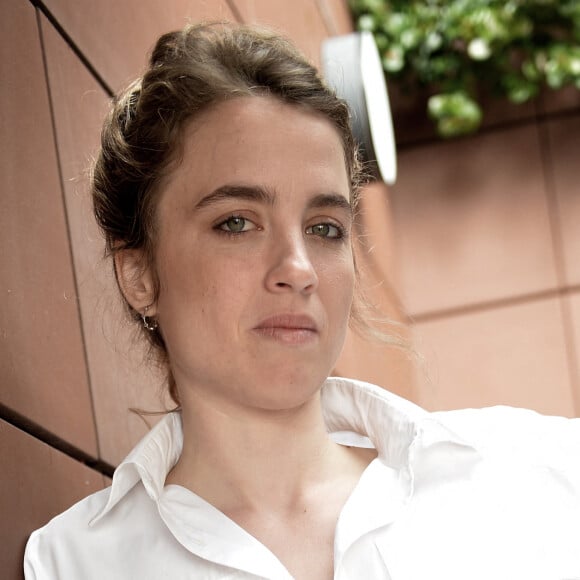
{"x":291,"y":269}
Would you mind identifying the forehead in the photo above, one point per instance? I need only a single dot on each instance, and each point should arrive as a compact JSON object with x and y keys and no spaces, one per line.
{"x":261,"y":141}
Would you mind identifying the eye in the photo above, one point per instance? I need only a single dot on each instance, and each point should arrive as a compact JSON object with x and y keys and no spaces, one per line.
{"x":236,"y":225}
{"x":325,"y":230}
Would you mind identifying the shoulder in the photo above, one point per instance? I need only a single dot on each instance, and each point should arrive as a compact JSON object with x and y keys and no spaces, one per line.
{"x":509,"y":430}
{"x":46,"y":542}
{"x":542,"y":452}
{"x":516,"y":488}
{"x":70,"y":542}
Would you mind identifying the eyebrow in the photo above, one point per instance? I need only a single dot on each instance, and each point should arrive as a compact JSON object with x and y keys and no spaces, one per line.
{"x":262,"y":195}
{"x":333,"y":200}
{"x":245,"y":192}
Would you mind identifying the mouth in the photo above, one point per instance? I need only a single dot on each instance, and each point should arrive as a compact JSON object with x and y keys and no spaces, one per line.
{"x":288,"y":328}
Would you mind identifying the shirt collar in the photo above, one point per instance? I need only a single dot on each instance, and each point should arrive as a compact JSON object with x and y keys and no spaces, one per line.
{"x":150,"y":461}
{"x":391,"y":423}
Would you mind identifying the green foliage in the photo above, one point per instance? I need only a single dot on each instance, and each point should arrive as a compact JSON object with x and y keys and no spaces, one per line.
{"x":455,"y":49}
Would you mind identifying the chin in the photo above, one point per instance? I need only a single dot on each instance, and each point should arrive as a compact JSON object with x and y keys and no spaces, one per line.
{"x":287,"y":392}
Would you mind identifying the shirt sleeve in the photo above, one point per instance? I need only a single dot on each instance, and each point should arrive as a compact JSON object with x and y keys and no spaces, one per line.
{"x":520,"y":435}
{"x":32,"y":562}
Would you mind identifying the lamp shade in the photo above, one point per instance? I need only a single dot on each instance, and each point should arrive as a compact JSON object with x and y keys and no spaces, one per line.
{"x":352,"y":66}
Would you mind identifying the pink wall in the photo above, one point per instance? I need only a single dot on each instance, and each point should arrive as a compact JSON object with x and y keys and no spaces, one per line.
{"x":477,"y":239}
{"x":488,"y":256}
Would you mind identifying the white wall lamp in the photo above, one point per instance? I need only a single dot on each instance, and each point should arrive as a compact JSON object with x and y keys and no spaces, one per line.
{"x":352,"y":66}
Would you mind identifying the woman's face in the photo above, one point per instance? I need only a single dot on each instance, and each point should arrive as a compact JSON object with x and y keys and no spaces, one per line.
{"x":254,"y":255}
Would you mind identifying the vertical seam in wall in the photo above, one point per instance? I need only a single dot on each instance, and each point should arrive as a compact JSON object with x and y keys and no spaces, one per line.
{"x":237,"y":14}
{"x":558,"y":254}
{"x":67,"y":222}
{"x":551,"y":201}
{"x":326,"y":17}
{"x":573,"y":366}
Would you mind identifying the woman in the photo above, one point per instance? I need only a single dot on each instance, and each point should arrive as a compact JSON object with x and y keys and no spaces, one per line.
{"x":226,"y":188}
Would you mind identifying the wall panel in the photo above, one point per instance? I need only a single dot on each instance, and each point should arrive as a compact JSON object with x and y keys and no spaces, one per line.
{"x":565,"y":99}
{"x":38,"y":482}
{"x":471,"y":221}
{"x":564,"y":143}
{"x":367,"y":357}
{"x":574,"y":347}
{"x":120,"y":376}
{"x":117,"y":36}
{"x":513,"y":355}
{"x":336,"y":16}
{"x":42,"y":360}
{"x":301,"y":20}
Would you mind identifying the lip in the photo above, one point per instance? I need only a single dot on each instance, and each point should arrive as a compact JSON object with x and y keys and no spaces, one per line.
{"x":288,"y":328}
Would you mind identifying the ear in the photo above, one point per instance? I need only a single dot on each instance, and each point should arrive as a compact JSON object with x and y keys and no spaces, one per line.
{"x":136,"y":280}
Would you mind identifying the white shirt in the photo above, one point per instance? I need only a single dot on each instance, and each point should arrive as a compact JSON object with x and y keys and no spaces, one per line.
{"x":472,"y":494}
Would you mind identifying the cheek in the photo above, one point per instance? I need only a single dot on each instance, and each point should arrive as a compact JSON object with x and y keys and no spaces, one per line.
{"x":348,"y":283}
{"x":211,"y":289}
{"x":339,"y":281}
{"x":341,"y":269}
{"x":183,"y":282}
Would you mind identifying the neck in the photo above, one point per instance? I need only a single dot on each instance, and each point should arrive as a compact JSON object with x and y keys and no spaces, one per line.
{"x":254,"y":459}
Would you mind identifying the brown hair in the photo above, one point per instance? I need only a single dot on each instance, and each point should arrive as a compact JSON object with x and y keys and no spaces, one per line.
{"x":189,"y":71}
